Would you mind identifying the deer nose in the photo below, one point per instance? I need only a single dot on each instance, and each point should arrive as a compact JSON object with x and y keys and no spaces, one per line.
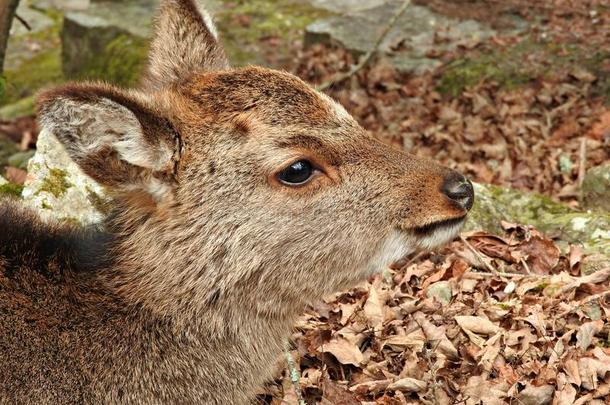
{"x":459,"y":190}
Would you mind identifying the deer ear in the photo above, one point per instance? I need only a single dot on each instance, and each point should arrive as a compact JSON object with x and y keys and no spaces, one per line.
{"x":116,"y":137}
{"x":185,"y":41}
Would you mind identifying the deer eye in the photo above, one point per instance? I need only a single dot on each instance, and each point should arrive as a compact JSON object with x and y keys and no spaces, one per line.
{"x":297,"y":173}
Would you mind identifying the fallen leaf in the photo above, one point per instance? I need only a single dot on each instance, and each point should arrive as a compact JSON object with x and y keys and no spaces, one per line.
{"x":586,"y":332}
{"x":477,"y":324}
{"x":344,"y":351}
{"x":408,"y":385}
{"x":532,"y":395}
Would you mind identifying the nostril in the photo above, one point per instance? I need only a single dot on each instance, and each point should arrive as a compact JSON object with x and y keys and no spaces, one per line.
{"x":459,"y":190}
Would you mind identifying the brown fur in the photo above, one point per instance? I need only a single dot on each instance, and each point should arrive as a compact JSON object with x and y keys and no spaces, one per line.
{"x":207,"y":259}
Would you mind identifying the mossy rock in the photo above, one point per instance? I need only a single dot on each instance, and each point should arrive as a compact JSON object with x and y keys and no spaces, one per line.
{"x":596,"y":188}
{"x":494,"y":204}
{"x":286,"y":19}
{"x":504,"y":66}
{"x":92,"y":49}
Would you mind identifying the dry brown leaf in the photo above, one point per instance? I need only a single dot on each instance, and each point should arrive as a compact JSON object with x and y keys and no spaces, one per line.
{"x":480,"y":391}
{"x":408,"y":385}
{"x":571,"y":369}
{"x":344,"y":351}
{"x":477,"y":324}
{"x":543,"y":254}
{"x":370,"y":386}
{"x":586,"y":332}
{"x":15,"y":175}
{"x":373,"y":308}
{"x":532,"y":395}
{"x":413,"y":341}
{"x":436,"y":336}
{"x":336,"y":394}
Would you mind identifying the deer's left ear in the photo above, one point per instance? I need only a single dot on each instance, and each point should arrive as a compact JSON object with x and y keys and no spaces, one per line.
{"x":185,"y":41}
{"x":116,"y":137}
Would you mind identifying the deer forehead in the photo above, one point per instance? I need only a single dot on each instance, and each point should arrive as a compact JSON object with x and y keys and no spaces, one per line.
{"x":273,"y":97}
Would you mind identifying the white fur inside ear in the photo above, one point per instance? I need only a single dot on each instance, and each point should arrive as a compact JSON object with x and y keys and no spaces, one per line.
{"x":85,"y":128}
{"x":132,"y":148}
{"x":157,"y":189}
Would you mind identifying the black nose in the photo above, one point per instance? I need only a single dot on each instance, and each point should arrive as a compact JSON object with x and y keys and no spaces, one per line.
{"x":459,"y":190}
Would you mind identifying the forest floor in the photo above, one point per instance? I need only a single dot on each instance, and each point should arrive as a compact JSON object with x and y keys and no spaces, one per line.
{"x":489,"y":319}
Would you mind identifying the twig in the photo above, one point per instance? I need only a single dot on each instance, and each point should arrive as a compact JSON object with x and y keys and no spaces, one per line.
{"x":480,"y":257}
{"x":24,"y":22}
{"x":367,"y":57}
{"x":482,"y":274}
{"x":295,"y":376}
{"x":582,"y":165}
{"x":525,"y":266}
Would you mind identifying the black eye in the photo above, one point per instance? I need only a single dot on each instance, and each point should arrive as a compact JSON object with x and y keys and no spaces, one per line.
{"x":297,"y":173}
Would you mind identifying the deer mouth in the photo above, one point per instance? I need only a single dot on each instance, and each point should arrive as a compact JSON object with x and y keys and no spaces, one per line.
{"x":438,"y":233}
{"x":433,"y":227}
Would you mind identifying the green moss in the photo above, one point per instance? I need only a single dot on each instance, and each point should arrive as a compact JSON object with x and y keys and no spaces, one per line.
{"x":286,"y":20}
{"x":521,"y":63}
{"x":11,"y":190}
{"x":55,"y":183}
{"x":494,"y":204}
{"x":121,"y":61}
{"x":40,"y":71}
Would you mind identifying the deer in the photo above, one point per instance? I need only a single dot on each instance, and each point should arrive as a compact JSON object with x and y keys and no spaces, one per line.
{"x":239,"y":195}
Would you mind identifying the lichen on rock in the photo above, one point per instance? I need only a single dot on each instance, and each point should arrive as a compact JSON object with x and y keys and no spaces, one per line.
{"x":58,"y":188}
{"x":596,"y":188}
{"x":494,"y":204}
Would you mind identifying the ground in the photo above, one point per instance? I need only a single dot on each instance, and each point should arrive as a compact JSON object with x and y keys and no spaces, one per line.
{"x":509,"y":316}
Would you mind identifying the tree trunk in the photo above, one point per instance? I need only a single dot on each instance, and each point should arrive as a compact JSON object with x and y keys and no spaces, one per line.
{"x":7,"y":12}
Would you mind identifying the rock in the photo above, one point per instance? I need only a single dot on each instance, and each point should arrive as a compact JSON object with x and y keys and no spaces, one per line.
{"x":20,"y":159}
{"x":594,"y":263}
{"x":596,"y":188}
{"x":346,"y":6}
{"x":57,"y":188}
{"x":494,"y":204}
{"x":107,"y":41}
{"x":7,"y":149}
{"x":62,"y":5}
{"x":441,"y":290}
{"x":417,"y":34}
